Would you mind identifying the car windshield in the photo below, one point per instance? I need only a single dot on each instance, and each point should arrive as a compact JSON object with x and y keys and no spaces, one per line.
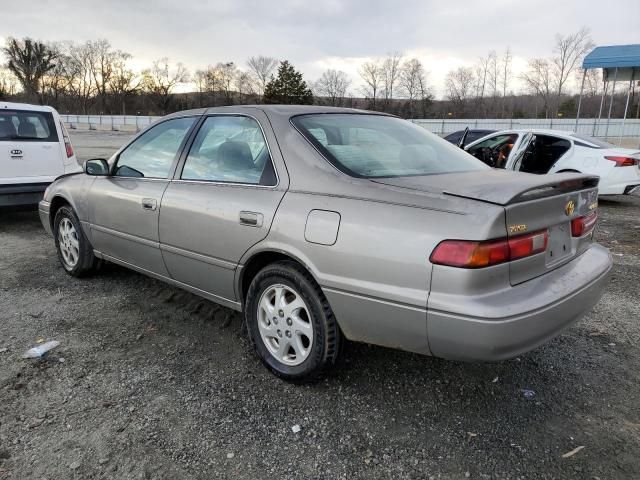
{"x":372,"y":146}
{"x":592,"y":140}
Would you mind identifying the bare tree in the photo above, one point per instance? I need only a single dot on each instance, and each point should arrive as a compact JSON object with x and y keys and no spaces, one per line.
{"x":505,"y":76}
{"x":123,"y":82}
{"x":569,"y":50}
{"x":481,"y":74}
{"x":243,"y":84}
{"x":226,"y":73}
{"x":505,"y":70}
{"x":459,"y":86}
{"x":332,"y":84}
{"x":426,"y":96}
{"x":217,"y":81}
{"x":493,"y":70}
{"x":29,"y":61}
{"x":160,"y":81}
{"x":391,"y":74}
{"x":261,"y":68}
{"x":592,"y":81}
{"x":539,"y":81}
{"x":79,"y":74}
{"x":412,"y":81}
{"x":55,"y":84}
{"x":371,"y":74}
{"x":8,"y":82}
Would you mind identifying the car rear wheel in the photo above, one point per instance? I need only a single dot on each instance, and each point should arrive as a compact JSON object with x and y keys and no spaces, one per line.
{"x":74,"y":250}
{"x":290,"y":323}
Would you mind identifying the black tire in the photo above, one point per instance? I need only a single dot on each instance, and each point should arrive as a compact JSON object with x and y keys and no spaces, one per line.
{"x":327,"y":338}
{"x":86,"y":263}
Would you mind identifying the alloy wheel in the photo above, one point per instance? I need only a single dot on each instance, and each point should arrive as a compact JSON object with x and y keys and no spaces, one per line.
{"x":68,"y":243}
{"x":285,"y":324}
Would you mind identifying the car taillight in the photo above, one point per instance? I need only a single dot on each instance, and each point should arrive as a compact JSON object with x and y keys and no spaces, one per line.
{"x":622,"y":161}
{"x":472,"y":254}
{"x":581,"y":226}
{"x":69,"y":148}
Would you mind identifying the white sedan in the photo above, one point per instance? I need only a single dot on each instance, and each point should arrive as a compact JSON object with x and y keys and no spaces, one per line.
{"x":552,"y":151}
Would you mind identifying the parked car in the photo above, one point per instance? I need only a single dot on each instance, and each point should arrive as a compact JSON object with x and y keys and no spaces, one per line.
{"x":35,"y":149}
{"x":472,"y":134}
{"x":325,"y":224}
{"x":552,"y":151}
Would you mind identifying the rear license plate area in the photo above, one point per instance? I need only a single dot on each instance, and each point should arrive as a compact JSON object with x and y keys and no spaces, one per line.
{"x":559,"y":246}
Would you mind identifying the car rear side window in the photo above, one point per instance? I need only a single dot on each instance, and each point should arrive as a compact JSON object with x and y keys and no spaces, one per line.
{"x":152,"y":154}
{"x":370,"y":146}
{"x":27,"y":126}
{"x":230,"y":149}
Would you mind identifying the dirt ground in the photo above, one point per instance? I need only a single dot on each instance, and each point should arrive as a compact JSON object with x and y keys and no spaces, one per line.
{"x":153,"y":382}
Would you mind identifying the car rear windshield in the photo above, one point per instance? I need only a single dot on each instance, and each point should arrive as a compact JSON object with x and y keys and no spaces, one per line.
{"x":594,"y":141}
{"x":373,"y":146}
{"x":27,"y":126}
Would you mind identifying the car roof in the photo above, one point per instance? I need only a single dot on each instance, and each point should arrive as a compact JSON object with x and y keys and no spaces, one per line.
{"x":25,"y":106}
{"x":539,"y":131}
{"x":289,"y":110}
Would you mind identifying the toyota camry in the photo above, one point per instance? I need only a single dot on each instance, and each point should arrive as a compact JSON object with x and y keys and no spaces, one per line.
{"x":324,"y":225}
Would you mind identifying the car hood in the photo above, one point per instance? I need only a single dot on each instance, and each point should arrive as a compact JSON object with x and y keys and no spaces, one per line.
{"x":499,"y":187}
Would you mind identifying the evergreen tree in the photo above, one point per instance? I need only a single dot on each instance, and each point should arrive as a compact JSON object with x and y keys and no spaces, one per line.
{"x":288,"y":87}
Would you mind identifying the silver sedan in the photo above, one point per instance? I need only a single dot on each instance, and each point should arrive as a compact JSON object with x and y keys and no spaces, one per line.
{"x":326,"y":224}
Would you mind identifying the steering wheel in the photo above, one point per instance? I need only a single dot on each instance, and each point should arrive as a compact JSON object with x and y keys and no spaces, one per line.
{"x":490,"y":156}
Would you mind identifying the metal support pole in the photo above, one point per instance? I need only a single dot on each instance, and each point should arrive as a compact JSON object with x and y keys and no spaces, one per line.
{"x":584,"y":75}
{"x":613,"y":90}
{"x":604,"y":94}
{"x":626,"y":107}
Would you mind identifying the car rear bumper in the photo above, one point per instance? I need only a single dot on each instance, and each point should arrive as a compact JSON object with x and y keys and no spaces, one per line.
{"x":619,"y":181}
{"x":14,"y":195}
{"x":533,"y":312}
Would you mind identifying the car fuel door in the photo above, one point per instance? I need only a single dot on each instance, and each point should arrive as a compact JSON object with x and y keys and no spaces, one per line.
{"x":221,"y":201}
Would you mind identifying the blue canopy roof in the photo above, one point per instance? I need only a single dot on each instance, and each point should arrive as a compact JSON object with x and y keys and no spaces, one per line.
{"x":613,"y":56}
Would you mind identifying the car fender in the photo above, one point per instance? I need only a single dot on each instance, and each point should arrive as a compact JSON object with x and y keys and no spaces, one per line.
{"x":72,"y":189}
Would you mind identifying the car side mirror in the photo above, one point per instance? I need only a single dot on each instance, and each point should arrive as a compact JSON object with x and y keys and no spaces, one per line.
{"x":96,"y":167}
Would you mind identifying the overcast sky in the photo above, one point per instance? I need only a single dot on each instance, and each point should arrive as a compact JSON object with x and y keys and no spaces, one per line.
{"x":324,"y":34}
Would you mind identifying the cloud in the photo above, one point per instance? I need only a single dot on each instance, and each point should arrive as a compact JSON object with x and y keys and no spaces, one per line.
{"x":319,"y":35}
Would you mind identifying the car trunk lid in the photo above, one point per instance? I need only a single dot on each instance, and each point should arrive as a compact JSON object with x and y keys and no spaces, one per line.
{"x":499,"y":187}
{"x":532,"y":203}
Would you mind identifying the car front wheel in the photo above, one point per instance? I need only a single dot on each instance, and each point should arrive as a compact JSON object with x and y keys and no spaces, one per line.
{"x":290,"y":323}
{"x":74,"y":250}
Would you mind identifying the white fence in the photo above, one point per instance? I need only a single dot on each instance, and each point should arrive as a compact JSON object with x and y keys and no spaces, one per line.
{"x":128,"y":123}
{"x":588,"y":126}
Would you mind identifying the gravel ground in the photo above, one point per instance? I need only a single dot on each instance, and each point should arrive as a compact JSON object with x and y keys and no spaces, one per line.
{"x":153,"y":382}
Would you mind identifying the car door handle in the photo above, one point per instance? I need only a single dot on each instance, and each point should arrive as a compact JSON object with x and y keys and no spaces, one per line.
{"x":149,"y":203}
{"x":251,"y":219}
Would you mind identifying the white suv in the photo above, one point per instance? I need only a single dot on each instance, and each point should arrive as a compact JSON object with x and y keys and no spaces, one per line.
{"x":35,"y":149}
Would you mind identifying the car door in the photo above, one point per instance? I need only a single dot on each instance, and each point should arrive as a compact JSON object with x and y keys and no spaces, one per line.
{"x":124,"y":206}
{"x":221,"y":202}
{"x":519,"y":150}
{"x":29,"y":146}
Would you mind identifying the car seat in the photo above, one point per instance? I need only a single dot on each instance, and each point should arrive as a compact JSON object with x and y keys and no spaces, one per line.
{"x":236,"y":155}
{"x":27,"y":129}
{"x":7,"y":130}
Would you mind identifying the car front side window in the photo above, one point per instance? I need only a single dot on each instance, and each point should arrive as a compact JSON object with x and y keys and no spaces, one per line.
{"x":152,"y":154}
{"x":494,"y":151}
{"x":230,"y":149}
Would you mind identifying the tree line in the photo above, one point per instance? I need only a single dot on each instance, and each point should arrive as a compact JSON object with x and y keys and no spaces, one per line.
{"x":93,"y":77}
